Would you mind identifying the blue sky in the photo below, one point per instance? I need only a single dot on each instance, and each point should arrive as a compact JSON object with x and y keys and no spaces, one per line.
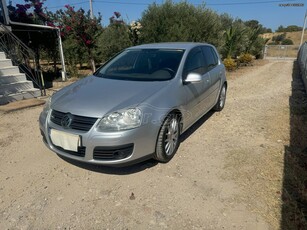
{"x":268,"y":12}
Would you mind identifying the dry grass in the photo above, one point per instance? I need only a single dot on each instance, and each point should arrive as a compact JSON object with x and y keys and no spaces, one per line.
{"x":282,"y":51}
{"x":294,"y":36}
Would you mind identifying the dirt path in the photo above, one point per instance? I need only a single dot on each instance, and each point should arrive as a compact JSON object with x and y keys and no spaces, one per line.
{"x":227,"y":173}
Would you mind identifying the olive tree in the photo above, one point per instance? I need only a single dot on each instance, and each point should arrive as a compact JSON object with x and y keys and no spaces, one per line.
{"x":114,"y":38}
{"x":173,"y":22}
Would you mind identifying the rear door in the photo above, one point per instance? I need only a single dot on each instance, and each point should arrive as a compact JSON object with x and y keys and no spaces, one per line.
{"x":215,"y":71}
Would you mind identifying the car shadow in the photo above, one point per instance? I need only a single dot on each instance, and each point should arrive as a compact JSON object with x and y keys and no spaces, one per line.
{"x":137,"y":167}
{"x":294,"y":191}
{"x":195,"y":126}
{"x":123,"y":170}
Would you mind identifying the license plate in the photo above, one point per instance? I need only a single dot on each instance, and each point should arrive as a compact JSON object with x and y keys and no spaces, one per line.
{"x":65,"y":140}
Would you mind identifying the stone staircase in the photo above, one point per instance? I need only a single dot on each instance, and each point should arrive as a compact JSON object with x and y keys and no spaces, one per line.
{"x":14,"y":85}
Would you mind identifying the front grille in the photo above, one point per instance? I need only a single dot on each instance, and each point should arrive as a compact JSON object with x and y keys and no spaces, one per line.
{"x":78,"y":122}
{"x":112,"y":153}
{"x":80,"y":153}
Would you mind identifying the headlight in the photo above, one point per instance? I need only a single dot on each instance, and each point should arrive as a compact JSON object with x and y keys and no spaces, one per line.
{"x":121,"y":120}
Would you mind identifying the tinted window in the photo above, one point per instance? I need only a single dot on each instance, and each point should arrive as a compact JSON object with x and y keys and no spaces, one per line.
{"x":210,"y":56}
{"x":195,"y":62}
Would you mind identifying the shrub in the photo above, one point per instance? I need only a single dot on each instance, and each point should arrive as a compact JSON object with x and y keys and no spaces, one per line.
{"x":287,"y":42}
{"x":245,"y":58}
{"x":230,"y":64}
{"x":279,"y":38}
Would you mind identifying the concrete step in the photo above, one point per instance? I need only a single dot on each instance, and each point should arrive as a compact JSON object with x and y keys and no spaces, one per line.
{"x":9,"y":70}
{"x":2,"y":55}
{"x":5,"y":63}
{"x":27,"y":94}
{"x":7,"y":79}
{"x":6,"y":89}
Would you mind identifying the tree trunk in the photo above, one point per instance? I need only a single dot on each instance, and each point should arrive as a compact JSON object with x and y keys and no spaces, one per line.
{"x":93,"y":65}
{"x":92,"y":61}
{"x":54,"y":64}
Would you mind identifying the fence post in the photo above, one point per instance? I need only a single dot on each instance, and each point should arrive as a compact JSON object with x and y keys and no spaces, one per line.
{"x":265,"y":51}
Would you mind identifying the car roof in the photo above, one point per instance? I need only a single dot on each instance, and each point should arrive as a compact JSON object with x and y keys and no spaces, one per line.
{"x":169,"y":45}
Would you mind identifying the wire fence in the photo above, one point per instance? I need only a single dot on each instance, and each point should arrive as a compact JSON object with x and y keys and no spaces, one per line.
{"x":302,"y":62}
{"x":281,"y":51}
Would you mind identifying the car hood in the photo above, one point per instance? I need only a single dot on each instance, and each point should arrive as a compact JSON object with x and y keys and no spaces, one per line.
{"x":94,"y":96}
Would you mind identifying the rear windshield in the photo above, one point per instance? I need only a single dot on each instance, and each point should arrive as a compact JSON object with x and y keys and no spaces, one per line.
{"x":143,"y":65}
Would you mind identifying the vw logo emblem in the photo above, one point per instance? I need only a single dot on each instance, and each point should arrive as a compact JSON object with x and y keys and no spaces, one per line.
{"x":66,"y":120}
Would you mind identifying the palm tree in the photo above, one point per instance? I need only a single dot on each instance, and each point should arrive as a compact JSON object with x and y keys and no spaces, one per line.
{"x":252,"y":35}
{"x":232,"y":37}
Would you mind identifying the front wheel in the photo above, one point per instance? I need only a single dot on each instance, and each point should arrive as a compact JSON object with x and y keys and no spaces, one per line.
{"x":222,"y":99}
{"x":168,"y":139}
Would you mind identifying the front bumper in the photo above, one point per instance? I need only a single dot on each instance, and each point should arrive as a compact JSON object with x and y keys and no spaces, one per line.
{"x":109,"y":148}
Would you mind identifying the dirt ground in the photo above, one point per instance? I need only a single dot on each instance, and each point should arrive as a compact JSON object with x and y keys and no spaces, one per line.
{"x":227,"y":173}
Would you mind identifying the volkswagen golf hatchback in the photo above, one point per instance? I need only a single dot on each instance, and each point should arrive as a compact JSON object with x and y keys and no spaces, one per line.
{"x":136,"y":105}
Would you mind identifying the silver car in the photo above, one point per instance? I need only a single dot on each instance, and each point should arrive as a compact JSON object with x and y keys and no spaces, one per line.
{"x":136,"y":105}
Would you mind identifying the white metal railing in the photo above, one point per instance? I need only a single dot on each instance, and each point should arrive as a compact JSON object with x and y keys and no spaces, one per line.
{"x":21,"y":56}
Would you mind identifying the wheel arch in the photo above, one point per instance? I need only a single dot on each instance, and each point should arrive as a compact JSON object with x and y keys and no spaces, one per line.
{"x":175,"y":111}
{"x":178,"y":115}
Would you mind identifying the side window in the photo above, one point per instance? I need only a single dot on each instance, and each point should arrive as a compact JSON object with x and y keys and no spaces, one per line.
{"x":195,"y":62}
{"x":210,"y":56}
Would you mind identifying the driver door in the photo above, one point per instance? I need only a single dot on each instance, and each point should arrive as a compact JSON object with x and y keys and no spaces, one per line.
{"x":196,"y":93}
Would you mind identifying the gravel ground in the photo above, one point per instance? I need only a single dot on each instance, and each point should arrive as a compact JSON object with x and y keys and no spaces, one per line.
{"x":227,"y":173}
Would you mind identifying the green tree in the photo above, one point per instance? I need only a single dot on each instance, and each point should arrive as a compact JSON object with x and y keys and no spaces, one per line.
{"x":254,"y":24}
{"x":280,"y":29}
{"x":114,"y":38}
{"x":291,"y":28}
{"x":258,"y":47}
{"x":252,"y":36}
{"x":233,"y":38}
{"x":173,"y":22}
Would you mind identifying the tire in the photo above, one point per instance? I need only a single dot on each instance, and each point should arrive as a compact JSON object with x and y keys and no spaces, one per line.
{"x":168,"y":139}
{"x":219,"y":106}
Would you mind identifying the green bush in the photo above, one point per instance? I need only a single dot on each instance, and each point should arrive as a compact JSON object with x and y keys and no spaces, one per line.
{"x":230,"y":64}
{"x":287,"y":41}
{"x":279,"y":38}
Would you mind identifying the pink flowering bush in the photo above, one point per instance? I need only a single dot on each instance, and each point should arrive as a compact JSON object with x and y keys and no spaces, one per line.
{"x":30,"y":12}
{"x":77,"y":26}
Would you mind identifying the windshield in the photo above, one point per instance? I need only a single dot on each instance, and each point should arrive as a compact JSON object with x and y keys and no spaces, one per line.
{"x":143,"y":65}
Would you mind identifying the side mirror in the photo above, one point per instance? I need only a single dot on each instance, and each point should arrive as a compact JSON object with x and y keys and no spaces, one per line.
{"x":193,"y":78}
